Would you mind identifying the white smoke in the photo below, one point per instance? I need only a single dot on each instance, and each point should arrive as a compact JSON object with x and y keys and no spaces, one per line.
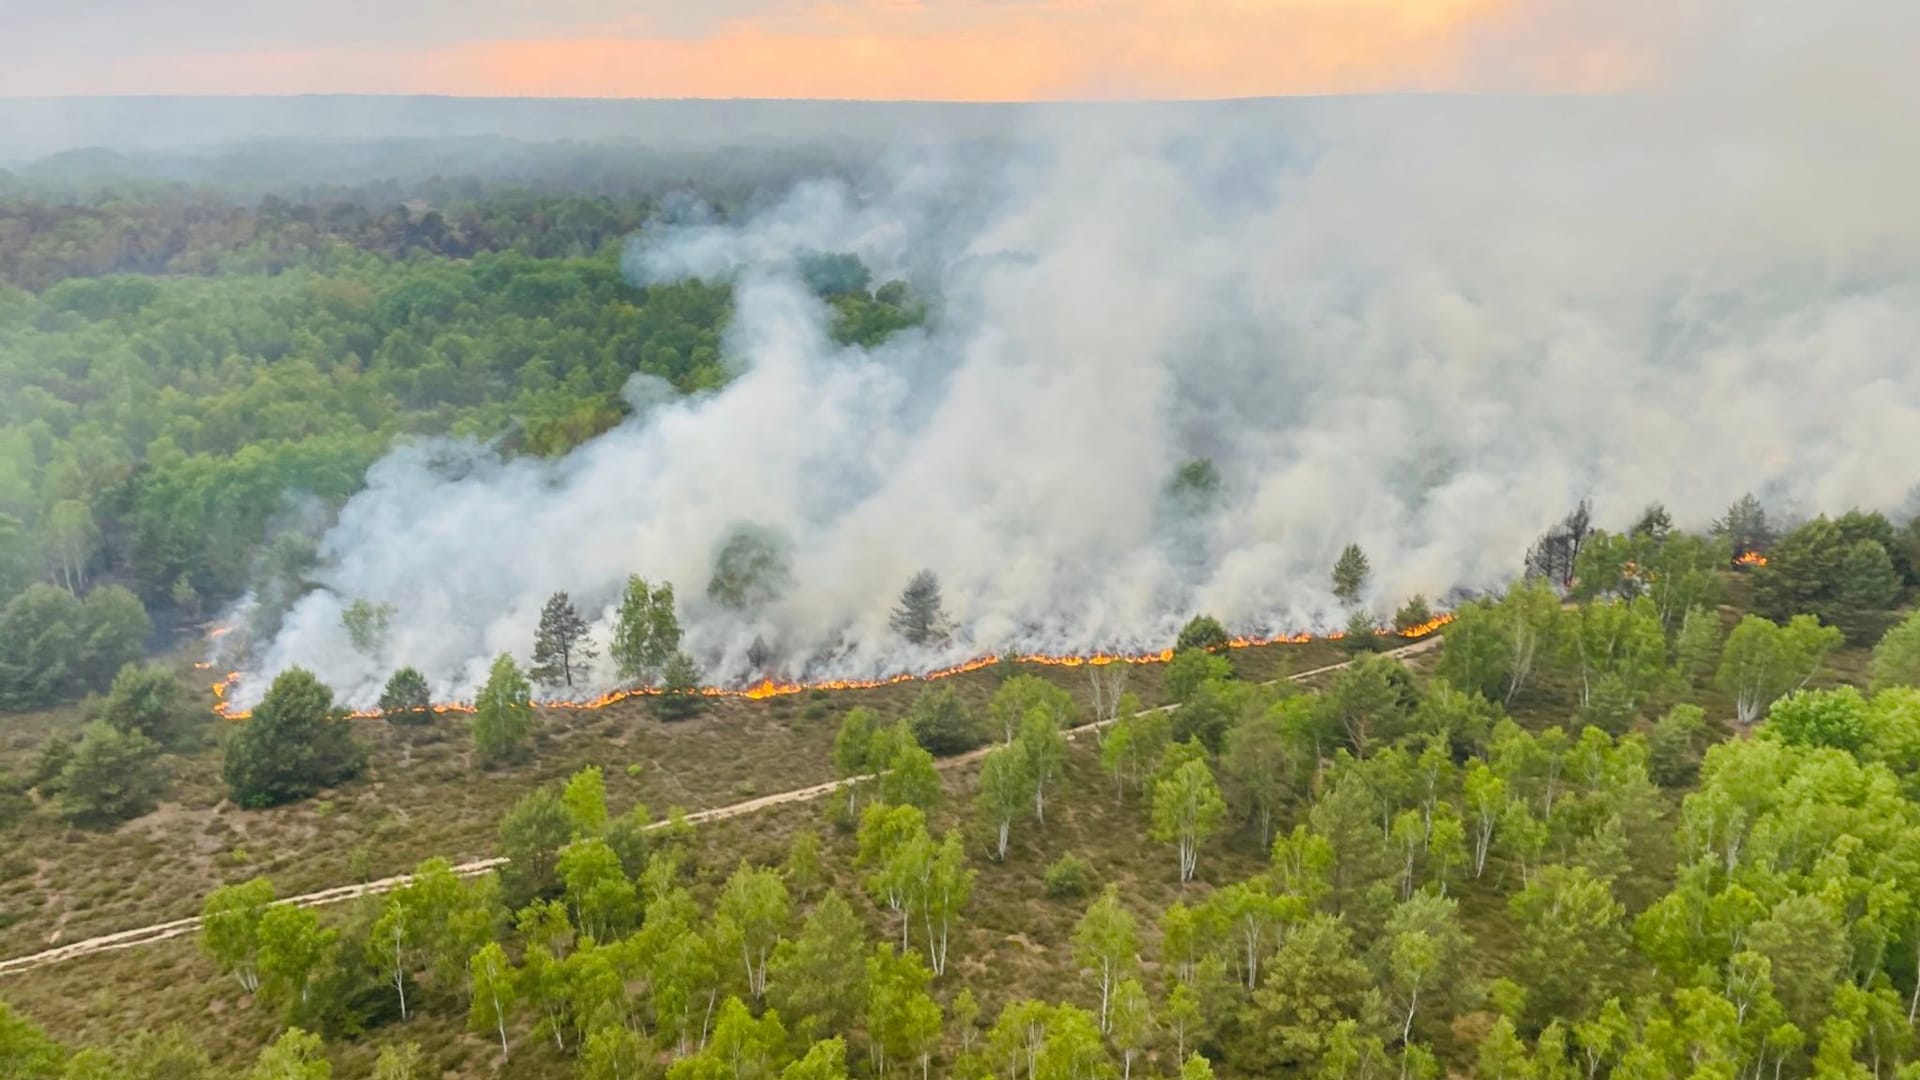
{"x":1424,"y":326}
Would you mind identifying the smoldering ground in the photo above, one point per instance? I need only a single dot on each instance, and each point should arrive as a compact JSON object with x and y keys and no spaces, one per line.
{"x":1425,"y":326}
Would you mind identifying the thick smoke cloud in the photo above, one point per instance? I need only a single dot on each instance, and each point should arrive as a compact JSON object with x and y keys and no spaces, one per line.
{"x":1425,"y":326}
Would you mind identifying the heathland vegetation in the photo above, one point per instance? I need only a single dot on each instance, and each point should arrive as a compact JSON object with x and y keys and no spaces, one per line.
{"x":1650,"y":811}
{"x":1639,"y":829}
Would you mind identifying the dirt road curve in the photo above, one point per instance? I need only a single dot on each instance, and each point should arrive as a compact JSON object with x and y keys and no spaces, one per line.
{"x":147,"y":935}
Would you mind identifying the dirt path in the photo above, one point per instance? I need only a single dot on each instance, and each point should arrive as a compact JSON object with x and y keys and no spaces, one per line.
{"x":147,"y":935}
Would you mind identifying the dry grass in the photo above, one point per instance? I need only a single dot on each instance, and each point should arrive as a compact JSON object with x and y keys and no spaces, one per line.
{"x":1011,"y":943}
{"x":422,"y":797}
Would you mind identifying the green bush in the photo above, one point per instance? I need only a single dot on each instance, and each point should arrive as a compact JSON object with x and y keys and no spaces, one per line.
{"x":406,"y":700}
{"x":1069,"y":878}
{"x":114,"y":775}
{"x":942,"y":724}
{"x":295,"y":743}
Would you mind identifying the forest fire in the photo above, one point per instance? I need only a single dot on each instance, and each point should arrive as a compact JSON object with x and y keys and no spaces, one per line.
{"x":768,"y":688}
{"x":1750,"y":558}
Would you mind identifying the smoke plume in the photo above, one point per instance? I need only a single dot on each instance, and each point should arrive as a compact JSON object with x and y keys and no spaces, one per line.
{"x":1427,"y":326}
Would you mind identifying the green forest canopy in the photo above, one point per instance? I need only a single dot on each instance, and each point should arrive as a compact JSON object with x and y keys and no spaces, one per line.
{"x":158,"y":428}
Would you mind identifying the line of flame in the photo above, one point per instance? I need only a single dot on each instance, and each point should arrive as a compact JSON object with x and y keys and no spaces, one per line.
{"x":1750,"y":558}
{"x":768,"y":688}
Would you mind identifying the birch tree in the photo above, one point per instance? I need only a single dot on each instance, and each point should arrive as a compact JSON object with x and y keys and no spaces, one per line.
{"x":1132,"y":748}
{"x":491,"y":978}
{"x":946,"y":886}
{"x":1106,"y":943}
{"x":894,"y":844}
{"x":1108,"y":685}
{"x":756,"y":906}
{"x":1131,"y":1023}
{"x":292,"y":946}
{"x":1763,"y":660}
{"x":1004,"y":794}
{"x":1530,"y":615}
{"x":230,"y":928}
{"x":1187,"y":809}
{"x":1044,"y":750}
{"x":1417,"y":959}
{"x":1024,"y":694}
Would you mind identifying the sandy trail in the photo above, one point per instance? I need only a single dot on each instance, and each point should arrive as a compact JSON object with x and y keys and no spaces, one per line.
{"x":147,"y":935}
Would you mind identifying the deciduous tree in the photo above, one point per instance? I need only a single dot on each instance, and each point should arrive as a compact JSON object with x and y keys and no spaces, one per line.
{"x":646,"y":632}
{"x":293,"y":946}
{"x":947,"y":887}
{"x":230,"y":928}
{"x":1187,"y":809}
{"x":295,"y":1055}
{"x":1130,"y":1023}
{"x":367,"y":625}
{"x":853,"y":750}
{"x":756,"y":907}
{"x":1418,"y":958}
{"x":903,"y":1022}
{"x":1043,"y":749}
{"x":1265,"y":761}
{"x":1005,"y":793}
{"x":1014,"y":699}
{"x":1763,"y":660}
{"x":585,"y":798}
{"x":1896,"y":659}
{"x":751,"y":569}
{"x":603,"y":899}
{"x":495,"y":992}
{"x":502,"y":714}
{"x":1106,"y":943}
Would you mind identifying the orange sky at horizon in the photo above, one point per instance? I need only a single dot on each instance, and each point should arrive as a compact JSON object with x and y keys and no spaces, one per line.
{"x":967,"y":50}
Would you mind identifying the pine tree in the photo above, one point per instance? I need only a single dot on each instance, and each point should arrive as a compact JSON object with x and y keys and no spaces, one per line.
{"x":680,"y":695}
{"x":919,"y":618}
{"x":1655,"y":524}
{"x":560,"y":644}
{"x":406,"y":699}
{"x":1745,"y":526}
{"x":1350,"y":574}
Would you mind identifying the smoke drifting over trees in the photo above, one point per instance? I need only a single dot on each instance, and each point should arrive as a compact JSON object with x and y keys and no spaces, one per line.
{"x":1427,"y":327}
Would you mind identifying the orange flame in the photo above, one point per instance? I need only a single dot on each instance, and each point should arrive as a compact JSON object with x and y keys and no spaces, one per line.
{"x":1750,"y":558}
{"x":767,"y":688}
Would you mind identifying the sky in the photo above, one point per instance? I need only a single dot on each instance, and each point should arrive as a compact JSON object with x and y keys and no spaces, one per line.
{"x":979,"y":50}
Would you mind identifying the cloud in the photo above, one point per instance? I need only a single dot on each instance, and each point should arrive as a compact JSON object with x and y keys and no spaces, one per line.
{"x":879,"y":49}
